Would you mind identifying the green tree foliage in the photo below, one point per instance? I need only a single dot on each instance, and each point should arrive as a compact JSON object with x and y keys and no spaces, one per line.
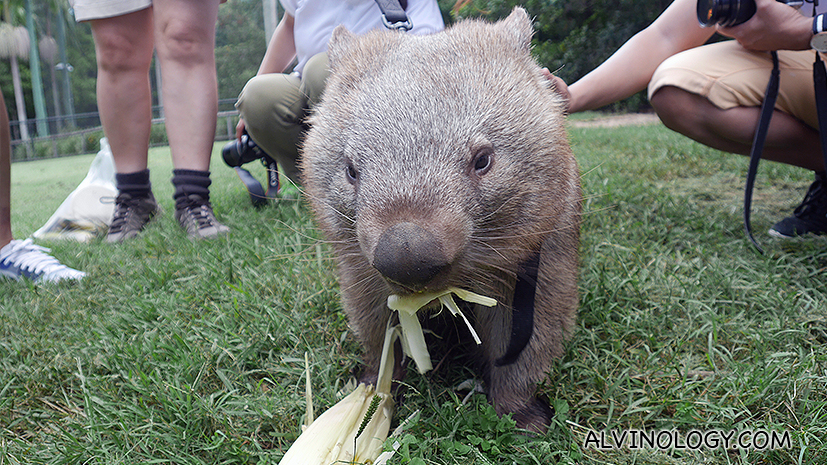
{"x":574,"y":36}
{"x":80,"y":51}
{"x":239,"y":45}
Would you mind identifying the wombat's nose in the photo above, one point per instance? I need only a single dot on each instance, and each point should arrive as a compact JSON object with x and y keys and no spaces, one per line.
{"x":409,"y":255}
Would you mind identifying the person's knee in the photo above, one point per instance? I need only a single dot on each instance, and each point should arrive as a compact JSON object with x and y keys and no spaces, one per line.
{"x":185,"y":42}
{"x":672,"y":107}
{"x":118,"y":53}
{"x":253,"y":103}
{"x":271,"y":101}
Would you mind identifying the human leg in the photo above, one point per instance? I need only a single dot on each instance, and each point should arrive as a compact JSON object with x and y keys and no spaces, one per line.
{"x":789,"y":140}
{"x":713,"y":95}
{"x":314,"y":78}
{"x":123,"y":47}
{"x":185,"y":43}
{"x":273,"y":108}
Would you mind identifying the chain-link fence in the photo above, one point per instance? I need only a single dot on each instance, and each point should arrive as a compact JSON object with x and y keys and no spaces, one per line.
{"x":81,"y":133}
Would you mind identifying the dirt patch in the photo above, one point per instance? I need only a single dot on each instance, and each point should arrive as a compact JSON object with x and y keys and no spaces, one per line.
{"x":613,"y":121}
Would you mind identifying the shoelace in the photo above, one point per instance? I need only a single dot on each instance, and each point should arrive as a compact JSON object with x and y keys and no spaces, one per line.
{"x":200,"y":211}
{"x":202,"y":216}
{"x":122,"y":208}
{"x":33,"y":258}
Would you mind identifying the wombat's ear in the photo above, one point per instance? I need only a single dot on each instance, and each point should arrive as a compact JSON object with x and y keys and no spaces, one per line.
{"x":340,"y":41}
{"x":518,"y":26}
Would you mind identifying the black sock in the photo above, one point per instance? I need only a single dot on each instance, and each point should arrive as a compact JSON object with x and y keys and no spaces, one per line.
{"x":189,"y":182}
{"x":135,"y":184}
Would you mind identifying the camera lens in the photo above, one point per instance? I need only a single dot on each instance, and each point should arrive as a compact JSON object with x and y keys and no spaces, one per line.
{"x":239,"y":152}
{"x":727,"y":13}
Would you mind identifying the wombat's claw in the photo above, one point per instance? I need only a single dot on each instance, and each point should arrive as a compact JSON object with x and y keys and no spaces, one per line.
{"x":473,"y":386}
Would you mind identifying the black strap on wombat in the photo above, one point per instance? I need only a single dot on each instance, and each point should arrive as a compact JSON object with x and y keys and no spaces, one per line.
{"x":522,"y":316}
{"x":767,"y":108}
{"x":393,"y":14}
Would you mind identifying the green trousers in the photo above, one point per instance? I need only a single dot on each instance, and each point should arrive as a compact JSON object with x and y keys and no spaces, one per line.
{"x":275,"y":106}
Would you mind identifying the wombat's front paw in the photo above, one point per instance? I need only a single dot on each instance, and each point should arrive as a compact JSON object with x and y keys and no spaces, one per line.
{"x":534,"y":417}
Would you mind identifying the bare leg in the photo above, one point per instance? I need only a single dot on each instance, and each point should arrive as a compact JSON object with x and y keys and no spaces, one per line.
{"x":788,"y":140}
{"x":5,"y":175}
{"x":124,"y":45}
{"x":185,"y":41}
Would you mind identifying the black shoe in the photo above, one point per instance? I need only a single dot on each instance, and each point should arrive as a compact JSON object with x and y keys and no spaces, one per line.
{"x":808,"y":218}
{"x":131,"y":216}
{"x":195,"y":215}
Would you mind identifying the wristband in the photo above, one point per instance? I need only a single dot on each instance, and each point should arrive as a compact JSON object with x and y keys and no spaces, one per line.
{"x":819,"y":39}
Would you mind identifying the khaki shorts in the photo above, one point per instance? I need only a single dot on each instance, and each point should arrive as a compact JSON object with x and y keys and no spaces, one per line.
{"x":730,"y":76}
{"x":86,"y":10}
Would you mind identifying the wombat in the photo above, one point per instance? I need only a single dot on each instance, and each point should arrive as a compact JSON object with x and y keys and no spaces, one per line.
{"x":442,"y":160}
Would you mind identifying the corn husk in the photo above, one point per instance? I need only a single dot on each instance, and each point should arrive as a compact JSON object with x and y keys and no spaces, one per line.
{"x":354,"y":430}
{"x":308,"y":394}
{"x":413,"y":340}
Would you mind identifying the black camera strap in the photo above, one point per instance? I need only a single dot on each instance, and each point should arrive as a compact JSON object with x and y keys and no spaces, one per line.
{"x":820,"y":82}
{"x":820,"y":85}
{"x":767,"y":107}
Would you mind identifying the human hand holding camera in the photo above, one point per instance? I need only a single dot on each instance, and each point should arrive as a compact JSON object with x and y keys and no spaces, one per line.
{"x":761,"y":25}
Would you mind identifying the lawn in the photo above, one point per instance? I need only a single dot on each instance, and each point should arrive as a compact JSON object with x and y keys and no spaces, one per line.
{"x":182,"y":352}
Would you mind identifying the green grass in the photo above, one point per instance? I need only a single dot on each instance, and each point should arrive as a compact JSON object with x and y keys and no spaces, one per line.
{"x":192,"y":353}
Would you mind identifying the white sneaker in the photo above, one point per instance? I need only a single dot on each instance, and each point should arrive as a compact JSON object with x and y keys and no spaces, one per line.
{"x":26,"y":259}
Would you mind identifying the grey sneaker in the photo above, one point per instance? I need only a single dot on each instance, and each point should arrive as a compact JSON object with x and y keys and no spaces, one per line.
{"x":24,"y":259}
{"x":197,"y":218}
{"x":131,"y":215}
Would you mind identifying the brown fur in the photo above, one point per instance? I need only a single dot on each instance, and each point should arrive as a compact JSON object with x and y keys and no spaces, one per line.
{"x":400,"y":138}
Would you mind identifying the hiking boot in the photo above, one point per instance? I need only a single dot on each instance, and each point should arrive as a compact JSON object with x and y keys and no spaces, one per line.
{"x":131,"y":216}
{"x":28,"y":260}
{"x":808,"y":218}
{"x":197,"y":218}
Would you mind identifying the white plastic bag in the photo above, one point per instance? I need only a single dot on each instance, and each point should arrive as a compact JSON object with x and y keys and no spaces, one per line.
{"x":87,"y":211}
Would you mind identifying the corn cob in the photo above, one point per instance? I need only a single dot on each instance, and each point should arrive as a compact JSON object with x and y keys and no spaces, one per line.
{"x":354,"y":430}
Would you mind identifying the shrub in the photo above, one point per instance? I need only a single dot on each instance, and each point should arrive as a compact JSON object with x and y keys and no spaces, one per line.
{"x":572,"y":38}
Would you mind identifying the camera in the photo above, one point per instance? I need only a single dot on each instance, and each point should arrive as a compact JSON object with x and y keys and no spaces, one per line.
{"x":240,"y":151}
{"x":730,"y":13}
{"x":243,"y":150}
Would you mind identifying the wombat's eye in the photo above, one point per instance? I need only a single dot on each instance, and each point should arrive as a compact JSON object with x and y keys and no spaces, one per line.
{"x":483,"y":160}
{"x":351,"y":174}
